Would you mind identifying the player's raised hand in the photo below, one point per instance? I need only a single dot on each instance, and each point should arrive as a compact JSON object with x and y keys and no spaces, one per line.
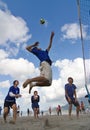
{"x":36,"y":44}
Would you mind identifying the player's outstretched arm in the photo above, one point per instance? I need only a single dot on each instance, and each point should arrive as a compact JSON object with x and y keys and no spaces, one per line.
{"x":50,"y":43}
{"x":29,"y":48}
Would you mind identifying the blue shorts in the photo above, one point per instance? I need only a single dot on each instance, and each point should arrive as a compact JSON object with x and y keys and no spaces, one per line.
{"x":35,"y":105}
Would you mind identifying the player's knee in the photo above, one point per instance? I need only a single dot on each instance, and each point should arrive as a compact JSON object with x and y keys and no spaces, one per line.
{"x":6,"y":110}
{"x":14,"y":107}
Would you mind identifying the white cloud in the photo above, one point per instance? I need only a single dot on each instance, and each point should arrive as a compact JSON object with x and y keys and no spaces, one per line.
{"x":22,"y":69}
{"x":70,"y":67}
{"x":5,"y":84}
{"x":13,"y":29}
{"x":1,"y":102}
{"x":17,"y":68}
{"x":75,"y":69}
{"x":55,"y":94}
{"x":3,"y":54}
{"x":72,"y":31}
{"x":3,"y":6}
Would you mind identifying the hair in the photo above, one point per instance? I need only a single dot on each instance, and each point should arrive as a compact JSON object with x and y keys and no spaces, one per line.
{"x":70,"y":78}
{"x":15,"y":81}
{"x":35,"y":92}
{"x":37,"y":42}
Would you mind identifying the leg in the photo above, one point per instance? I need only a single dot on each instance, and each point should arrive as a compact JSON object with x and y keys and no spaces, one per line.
{"x":76,"y":104}
{"x":34,"y":112}
{"x":44,"y":83}
{"x":5,"y":114}
{"x":70,"y":110}
{"x":39,"y":79}
{"x":14,"y":107}
{"x":44,"y":79}
{"x":60,"y":112}
{"x":77,"y":111}
{"x":37,"y":112}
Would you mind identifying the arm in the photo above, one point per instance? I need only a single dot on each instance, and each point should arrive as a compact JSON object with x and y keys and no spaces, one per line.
{"x":38,"y":98}
{"x":29,"y":48}
{"x":11,"y":94}
{"x":66,"y":94}
{"x":18,"y":94}
{"x":32,"y":99}
{"x":75,"y":95}
{"x":50,"y":44}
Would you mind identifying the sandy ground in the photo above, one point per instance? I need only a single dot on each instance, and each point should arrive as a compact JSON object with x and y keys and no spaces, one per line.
{"x":52,"y":122}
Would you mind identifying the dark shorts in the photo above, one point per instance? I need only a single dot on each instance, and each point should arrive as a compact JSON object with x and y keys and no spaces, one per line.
{"x":83,"y":109}
{"x":18,"y":112}
{"x":35,"y":105}
{"x":9,"y":104}
{"x":75,"y":103}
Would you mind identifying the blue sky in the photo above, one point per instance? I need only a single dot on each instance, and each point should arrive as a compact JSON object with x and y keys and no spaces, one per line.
{"x":20,"y":26}
{"x":57,"y":14}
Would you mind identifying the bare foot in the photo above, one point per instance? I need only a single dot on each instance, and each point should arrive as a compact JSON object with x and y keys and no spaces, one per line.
{"x":4,"y":116}
{"x":5,"y":121}
{"x":12,"y":122}
{"x":70,"y":118}
{"x":26,"y":83}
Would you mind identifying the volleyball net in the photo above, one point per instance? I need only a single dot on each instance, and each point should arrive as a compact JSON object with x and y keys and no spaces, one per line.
{"x":84,"y":21}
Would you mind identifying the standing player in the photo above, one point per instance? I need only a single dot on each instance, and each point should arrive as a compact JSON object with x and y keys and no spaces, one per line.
{"x":35,"y":106}
{"x":45,"y":78}
{"x":71,"y":96}
{"x":10,"y":101}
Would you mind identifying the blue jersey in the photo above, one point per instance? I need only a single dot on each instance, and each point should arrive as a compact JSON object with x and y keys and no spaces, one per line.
{"x":42,"y":55}
{"x":70,"y":90}
{"x":35,"y":102}
{"x":14,"y":90}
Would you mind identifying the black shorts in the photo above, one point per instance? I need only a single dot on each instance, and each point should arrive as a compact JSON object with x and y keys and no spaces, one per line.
{"x":75,"y":103}
{"x":9,"y":104}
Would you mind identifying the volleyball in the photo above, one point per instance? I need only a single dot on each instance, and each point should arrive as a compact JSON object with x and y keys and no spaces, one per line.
{"x":42,"y":21}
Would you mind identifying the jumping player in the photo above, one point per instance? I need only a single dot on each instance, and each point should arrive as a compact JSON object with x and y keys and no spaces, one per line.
{"x":45,"y":78}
